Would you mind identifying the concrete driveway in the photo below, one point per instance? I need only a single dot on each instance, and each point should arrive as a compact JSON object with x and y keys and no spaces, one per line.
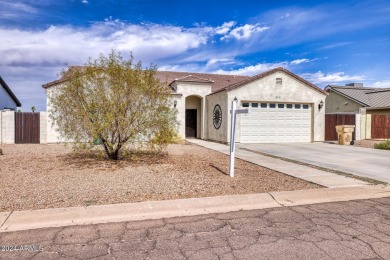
{"x":365,"y":162}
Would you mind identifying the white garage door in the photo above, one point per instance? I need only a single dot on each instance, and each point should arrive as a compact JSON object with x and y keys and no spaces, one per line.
{"x":276,"y":122}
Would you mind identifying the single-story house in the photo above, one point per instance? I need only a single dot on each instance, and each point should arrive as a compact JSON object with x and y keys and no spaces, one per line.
{"x":283,"y":107}
{"x":370,"y":107}
{"x":353,"y":96}
{"x":8,"y":100}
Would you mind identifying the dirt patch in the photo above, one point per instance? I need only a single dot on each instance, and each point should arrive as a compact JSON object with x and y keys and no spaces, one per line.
{"x":367,"y":143}
{"x":48,"y":176}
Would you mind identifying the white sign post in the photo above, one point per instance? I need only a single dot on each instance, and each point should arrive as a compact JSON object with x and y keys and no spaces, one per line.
{"x":234,"y":112}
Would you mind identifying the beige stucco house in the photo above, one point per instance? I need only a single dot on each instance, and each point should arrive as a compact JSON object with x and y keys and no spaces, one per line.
{"x":282,"y":106}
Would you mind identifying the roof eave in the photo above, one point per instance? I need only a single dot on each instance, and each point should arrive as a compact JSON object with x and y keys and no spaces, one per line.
{"x":377,"y":108}
{"x":9,"y":91}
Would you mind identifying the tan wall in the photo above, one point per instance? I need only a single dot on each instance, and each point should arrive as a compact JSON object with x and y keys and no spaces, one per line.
{"x":186,"y":89}
{"x":291,"y":90}
{"x":43,"y":127}
{"x":337,"y":103}
{"x":221,"y":134}
{"x":52,"y":135}
{"x":191,"y":89}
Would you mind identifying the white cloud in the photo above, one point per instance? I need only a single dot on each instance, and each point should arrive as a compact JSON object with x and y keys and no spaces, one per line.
{"x":13,"y":9}
{"x":245,"y":32}
{"x":331,"y":78}
{"x":299,"y":61}
{"x":64,"y":44}
{"x":84,"y":1}
{"x":39,"y":55}
{"x":380,"y":84}
{"x":253,"y":70}
{"x":335,"y":45}
{"x":225,"y":27}
{"x":219,"y":61}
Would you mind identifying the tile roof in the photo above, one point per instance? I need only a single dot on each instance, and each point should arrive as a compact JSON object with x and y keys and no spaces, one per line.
{"x":9,"y":91}
{"x":219,"y":81}
{"x":379,"y":98}
{"x":368,"y":97}
{"x":191,"y":78}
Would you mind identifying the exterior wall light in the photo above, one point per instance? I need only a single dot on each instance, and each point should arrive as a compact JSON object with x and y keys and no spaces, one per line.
{"x":320,"y":105}
{"x":175,"y":103}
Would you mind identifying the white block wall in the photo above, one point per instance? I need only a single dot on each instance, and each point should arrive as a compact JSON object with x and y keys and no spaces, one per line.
{"x":43,"y":127}
{"x":358,"y":134}
{"x":7,"y":127}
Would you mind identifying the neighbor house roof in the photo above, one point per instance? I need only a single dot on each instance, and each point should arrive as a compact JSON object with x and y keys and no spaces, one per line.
{"x":9,"y":91}
{"x":367,"y":97}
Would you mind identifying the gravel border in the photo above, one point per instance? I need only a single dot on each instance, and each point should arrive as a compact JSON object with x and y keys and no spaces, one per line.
{"x":36,"y":176}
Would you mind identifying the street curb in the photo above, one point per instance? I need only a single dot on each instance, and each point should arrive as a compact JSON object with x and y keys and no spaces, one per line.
{"x":61,"y":217}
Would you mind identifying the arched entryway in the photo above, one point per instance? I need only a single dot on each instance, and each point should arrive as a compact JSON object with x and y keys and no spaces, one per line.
{"x":193,"y":117}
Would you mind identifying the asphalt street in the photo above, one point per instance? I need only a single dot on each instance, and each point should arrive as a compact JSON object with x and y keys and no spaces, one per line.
{"x":342,"y":230}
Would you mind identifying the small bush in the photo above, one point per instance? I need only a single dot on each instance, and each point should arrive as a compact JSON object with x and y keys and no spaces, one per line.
{"x":385,"y":145}
{"x":1,"y":151}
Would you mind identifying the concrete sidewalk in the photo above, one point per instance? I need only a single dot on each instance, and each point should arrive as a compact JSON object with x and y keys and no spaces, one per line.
{"x":60,"y":217}
{"x":327,"y":179}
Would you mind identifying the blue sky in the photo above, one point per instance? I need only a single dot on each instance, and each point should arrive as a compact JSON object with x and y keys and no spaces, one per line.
{"x":325,"y":42}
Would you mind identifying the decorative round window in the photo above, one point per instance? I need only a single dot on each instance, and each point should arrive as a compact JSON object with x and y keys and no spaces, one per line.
{"x":217,"y":116}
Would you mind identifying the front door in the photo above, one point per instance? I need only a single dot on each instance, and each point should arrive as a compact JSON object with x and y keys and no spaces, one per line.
{"x":191,"y":122}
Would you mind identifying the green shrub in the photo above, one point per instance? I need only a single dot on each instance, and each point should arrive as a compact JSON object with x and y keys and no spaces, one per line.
{"x":385,"y":145}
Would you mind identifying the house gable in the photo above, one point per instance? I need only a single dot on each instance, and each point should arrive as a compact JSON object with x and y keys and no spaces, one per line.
{"x":269,"y":88}
{"x":7,"y":97}
{"x":338,"y":103}
{"x":267,"y":74}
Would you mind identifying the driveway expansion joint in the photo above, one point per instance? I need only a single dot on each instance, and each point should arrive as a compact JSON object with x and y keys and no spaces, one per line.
{"x":2,"y":224}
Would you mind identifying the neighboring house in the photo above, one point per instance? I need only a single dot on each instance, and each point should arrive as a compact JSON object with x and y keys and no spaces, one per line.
{"x":8,"y":100}
{"x":364,"y":103}
{"x":282,"y":106}
{"x":352,"y":97}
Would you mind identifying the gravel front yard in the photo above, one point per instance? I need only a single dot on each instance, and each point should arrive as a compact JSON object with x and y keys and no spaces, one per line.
{"x":49,"y":176}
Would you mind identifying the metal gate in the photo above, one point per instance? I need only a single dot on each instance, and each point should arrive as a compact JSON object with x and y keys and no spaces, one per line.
{"x":331,"y":120}
{"x":26,"y":128}
{"x":380,"y":126}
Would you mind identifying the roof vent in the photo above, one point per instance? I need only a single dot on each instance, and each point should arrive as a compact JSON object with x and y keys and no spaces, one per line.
{"x":355,"y":85}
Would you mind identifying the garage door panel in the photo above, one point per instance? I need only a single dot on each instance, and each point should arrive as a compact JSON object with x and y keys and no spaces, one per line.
{"x":263,"y":125}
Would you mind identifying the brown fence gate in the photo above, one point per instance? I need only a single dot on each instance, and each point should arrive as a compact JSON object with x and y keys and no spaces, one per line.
{"x":26,"y":128}
{"x":331,"y":120}
{"x":380,"y":126}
